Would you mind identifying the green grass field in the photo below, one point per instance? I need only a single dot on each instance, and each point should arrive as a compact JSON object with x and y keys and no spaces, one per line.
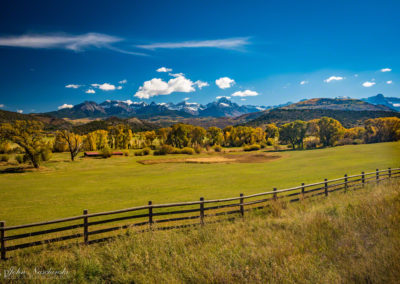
{"x":63,"y":188}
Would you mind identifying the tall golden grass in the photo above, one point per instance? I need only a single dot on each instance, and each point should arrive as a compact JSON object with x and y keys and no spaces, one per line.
{"x":351,"y":237}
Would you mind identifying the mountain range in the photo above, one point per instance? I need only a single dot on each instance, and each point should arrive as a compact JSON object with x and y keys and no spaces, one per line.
{"x":89,"y":116}
{"x":123,"y":109}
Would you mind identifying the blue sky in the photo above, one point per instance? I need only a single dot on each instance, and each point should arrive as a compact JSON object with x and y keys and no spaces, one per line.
{"x":114,"y":49}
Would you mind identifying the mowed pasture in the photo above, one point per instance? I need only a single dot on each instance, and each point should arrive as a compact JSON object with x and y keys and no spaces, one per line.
{"x":62,"y":188}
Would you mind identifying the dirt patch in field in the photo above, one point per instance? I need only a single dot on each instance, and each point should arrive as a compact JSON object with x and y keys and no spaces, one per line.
{"x":217,"y":158}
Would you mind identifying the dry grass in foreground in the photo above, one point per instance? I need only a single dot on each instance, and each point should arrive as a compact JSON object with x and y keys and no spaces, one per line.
{"x":349,"y":237}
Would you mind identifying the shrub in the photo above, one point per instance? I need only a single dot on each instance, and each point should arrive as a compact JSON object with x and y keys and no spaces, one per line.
{"x":4,"y":158}
{"x":46,"y":154}
{"x":253,"y":147}
{"x":166,"y":149}
{"x":263,"y":145}
{"x":125,"y":152}
{"x":217,"y":148}
{"x":198,"y":149}
{"x":188,"y":151}
{"x":144,"y":152}
{"x":19,"y":158}
{"x":106,"y":152}
{"x":270,"y":141}
{"x":358,"y":141}
{"x":311,"y":143}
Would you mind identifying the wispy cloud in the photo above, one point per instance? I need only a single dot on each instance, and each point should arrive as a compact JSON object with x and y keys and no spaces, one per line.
{"x":228,"y":43}
{"x":303,"y":82}
{"x":386,"y":70}
{"x":389,"y":82}
{"x":164,"y":69}
{"x":72,"y":86}
{"x":1,"y":105}
{"x":123,"y":81}
{"x":333,"y":78}
{"x":65,"y":41}
{"x":90,"y":91}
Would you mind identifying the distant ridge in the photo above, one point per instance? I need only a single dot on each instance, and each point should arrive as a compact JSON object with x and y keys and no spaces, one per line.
{"x":338,"y":104}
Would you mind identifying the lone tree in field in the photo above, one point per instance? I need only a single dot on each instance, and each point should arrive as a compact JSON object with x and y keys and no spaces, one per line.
{"x":74,"y":142}
{"x":28,"y":135}
{"x":329,"y":131}
{"x":293,"y":133}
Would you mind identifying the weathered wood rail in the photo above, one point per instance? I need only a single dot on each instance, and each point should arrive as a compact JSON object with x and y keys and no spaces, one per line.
{"x":151,"y":215}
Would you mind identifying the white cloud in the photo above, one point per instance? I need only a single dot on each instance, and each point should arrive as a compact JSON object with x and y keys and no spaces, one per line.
{"x":389,"y":82}
{"x":20,"y":111}
{"x":65,"y":41}
{"x":333,"y":78}
{"x":123,"y":81}
{"x":201,"y":84}
{"x":90,"y":91}
{"x":156,"y":87}
{"x":65,"y":106}
{"x":386,"y":70}
{"x":220,"y":97}
{"x":224,"y":82}
{"x":246,"y":93}
{"x":368,"y":84}
{"x":164,"y":69}
{"x":119,"y":88}
{"x":72,"y":86}
{"x":104,"y":87}
{"x":303,"y":82}
{"x":1,"y":105}
{"x":186,"y":99}
{"x":228,"y":43}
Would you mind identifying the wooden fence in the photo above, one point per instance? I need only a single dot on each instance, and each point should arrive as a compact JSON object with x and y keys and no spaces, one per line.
{"x":150,"y":216}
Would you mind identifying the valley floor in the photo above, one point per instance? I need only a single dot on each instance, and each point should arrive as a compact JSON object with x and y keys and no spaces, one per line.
{"x":63,"y":188}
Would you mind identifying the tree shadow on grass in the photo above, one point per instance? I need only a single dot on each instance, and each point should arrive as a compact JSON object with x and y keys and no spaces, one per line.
{"x":14,"y":170}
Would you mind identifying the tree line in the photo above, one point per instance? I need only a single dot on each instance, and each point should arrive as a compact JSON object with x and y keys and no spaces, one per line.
{"x":36,"y":145}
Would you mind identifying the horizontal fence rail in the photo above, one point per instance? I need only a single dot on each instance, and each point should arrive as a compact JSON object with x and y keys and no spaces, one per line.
{"x":151,"y":215}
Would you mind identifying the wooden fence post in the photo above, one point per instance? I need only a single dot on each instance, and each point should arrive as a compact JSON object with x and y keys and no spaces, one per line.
{"x":150,"y":214}
{"x":363,"y":178}
{"x":275,"y":194}
{"x":377,"y":175}
{"x":345,"y":183}
{"x":241,"y":205}
{"x":390,"y":172}
{"x":3,"y":242}
{"x":302,"y":190}
{"x":202,"y":211}
{"x":85,"y":228}
{"x":326,"y":187}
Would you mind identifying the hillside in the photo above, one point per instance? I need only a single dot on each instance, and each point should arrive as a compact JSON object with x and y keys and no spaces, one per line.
{"x":102,"y":124}
{"x":345,"y":238}
{"x":50,"y":122}
{"x":337,"y":104}
{"x":348,"y":118}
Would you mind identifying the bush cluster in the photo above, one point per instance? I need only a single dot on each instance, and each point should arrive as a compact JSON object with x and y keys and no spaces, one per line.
{"x":143,"y":152}
{"x":253,"y":147}
{"x":106,"y":152}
